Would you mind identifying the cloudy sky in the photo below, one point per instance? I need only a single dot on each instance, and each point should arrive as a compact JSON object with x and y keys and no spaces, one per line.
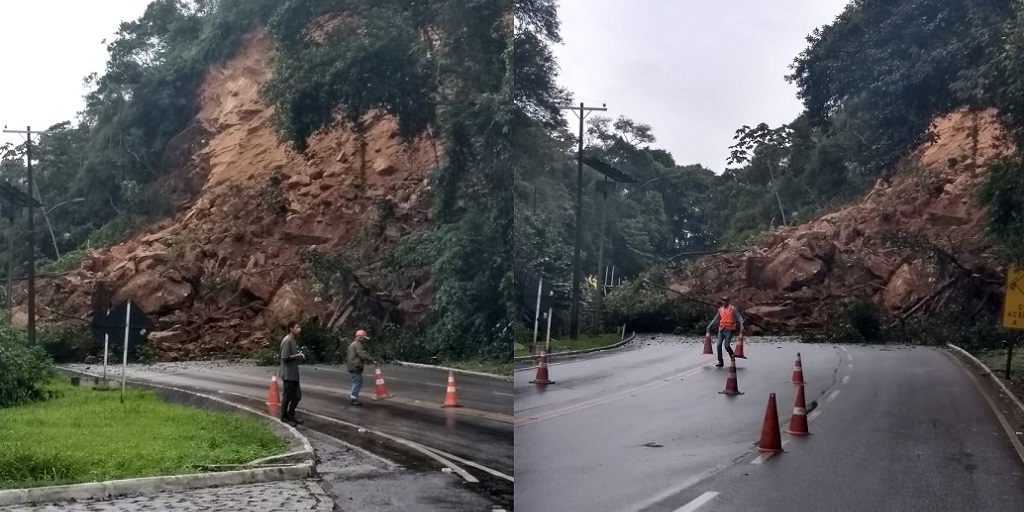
{"x":49,"y":47}
{"x":695,"y":70}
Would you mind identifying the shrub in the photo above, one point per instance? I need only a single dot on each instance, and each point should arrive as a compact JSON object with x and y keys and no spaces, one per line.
{"x":23,"y":369}
{"x":859,"y":321}
{"x":68,"y":344}
{"x":320,"y":344}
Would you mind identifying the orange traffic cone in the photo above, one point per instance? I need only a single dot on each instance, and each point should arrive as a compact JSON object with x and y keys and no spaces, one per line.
{"x":542,"y":370}
{"x":449,"y":397}
{"x":771,"y":438}
{"x":273,"y":403}
{"x":798,"y":423}
{"x":707,"y":344}
{"x":731,"y":387}
{"x":738,"y":352}
{"x":798,"y":371}
{"x":382,"y":390}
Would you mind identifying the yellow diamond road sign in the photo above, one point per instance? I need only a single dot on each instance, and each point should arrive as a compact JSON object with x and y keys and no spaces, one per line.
{"x":1013,"y":301}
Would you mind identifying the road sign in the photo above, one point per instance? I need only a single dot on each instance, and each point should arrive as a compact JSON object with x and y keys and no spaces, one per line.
{"x":1013,"y":300}
{"x":112,"y":322}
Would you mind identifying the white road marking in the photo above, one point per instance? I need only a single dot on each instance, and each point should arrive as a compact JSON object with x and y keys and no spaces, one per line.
{"x":698,"y":502}
{"x":833,"y":395}
{"x":846,"y":379}
{"x":670,"y":379}
{"x":844,"y":349}
{"x":686,"y":484}
{"x":850,"y":366}
{"x":471,"y":464}
{"x":767,"y":455}
{"x":849,"y":356}
{"x":411,"y":444}
{"x":815,"y":414}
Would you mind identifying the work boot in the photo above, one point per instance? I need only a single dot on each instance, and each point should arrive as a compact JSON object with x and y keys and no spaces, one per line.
{"x":354,"y":401}
{"x":720,"y":364}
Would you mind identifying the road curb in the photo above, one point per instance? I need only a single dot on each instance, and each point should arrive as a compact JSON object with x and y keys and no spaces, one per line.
{"x":583,"y":351}
{"x":453,"y":370}
{"x":993,"y":376}
{"x":151,"y":485}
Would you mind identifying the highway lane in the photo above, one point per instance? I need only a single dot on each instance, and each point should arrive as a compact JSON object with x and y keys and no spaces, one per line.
{"x":646,"y":429}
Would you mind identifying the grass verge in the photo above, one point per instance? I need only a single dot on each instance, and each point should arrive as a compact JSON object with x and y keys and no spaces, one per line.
{"x":485,"y":366}
{"x":995,"y":359}
{"x":585,"y":341}
{"x":81,"y":435}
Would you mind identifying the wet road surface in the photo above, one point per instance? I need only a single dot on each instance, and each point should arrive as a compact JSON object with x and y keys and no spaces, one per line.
{"x":892,"y":429}
{"x":411,"y":428}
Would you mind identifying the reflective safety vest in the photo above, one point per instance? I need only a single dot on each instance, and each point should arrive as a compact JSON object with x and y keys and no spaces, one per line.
{"x":725,"y":318}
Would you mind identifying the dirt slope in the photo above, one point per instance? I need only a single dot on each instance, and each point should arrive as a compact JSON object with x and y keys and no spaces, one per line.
{"x":226,"y":267}
{"x":803,"y":273}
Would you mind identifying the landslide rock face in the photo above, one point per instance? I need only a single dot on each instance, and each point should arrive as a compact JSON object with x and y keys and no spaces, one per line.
{"x":801,"y":275}
{"x":218,"y":275}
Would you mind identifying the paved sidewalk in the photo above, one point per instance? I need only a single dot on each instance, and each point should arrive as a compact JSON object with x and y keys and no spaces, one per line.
{"x":294,"y":495}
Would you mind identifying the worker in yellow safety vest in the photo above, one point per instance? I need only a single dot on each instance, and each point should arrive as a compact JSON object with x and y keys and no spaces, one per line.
{"x":728,"y":320}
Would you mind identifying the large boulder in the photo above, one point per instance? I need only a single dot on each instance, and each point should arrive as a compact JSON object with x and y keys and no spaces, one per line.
{"x":156,"y":293}
{"x":256,"y":286}
{"x":908,"y":284}
{"x":164,"y":338}
{"x":795,"y":267}
{"x":293,"y":301}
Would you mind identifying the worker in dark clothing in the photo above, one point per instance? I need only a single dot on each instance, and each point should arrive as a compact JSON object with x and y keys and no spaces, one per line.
{"x":727,"y":319}
{"x":290,"y":357}
{"x":356,"y":359}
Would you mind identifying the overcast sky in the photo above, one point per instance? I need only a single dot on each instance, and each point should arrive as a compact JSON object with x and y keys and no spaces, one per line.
{"x":49,"y":47}
{"x":695,"y":70}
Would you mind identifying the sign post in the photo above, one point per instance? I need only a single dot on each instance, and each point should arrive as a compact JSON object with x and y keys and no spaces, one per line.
{"x":110,"y":323}
{"x":124,"y":361}
{"x":536,"y":317}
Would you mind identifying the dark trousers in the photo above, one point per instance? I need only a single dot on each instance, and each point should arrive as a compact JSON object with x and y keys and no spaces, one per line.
{"x":292,"y":395}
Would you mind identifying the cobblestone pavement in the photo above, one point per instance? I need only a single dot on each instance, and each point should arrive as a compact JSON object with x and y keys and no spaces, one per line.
{"x":294,"y":495}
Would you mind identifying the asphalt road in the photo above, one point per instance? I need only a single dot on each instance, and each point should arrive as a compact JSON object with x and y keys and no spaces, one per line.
{"x":411,"y":428}
{"x":892,"y":429}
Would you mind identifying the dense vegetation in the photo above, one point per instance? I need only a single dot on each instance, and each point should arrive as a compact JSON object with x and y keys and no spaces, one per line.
{"x":442,"y":67}
{"x":871,"y":82}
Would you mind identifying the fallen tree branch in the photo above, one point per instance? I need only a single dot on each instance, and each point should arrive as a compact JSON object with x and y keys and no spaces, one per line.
{"x":39,"y":276}
{"x":65,"y":315}
{"x":700,"y":301}
{"x":707,"y":253}
{"x":930,"y":297}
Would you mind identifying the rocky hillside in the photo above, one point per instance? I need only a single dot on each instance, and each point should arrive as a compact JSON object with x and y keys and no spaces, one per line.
{"x":883,"y":247}
{"x":228,"y":265}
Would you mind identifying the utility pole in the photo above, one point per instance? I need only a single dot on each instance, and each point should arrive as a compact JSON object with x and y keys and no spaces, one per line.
{"x":574,"y":325}
{"x":31,"y":236}
{"x":603,"y":187}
